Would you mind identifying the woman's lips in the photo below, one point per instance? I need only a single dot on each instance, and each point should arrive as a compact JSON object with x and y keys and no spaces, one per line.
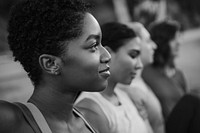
{"x":133,"y":75}
{"x":105,"y":73}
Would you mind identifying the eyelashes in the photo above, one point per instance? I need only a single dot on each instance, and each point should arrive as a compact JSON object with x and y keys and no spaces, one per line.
{"x":95,"y":46}
{"x":134,"y":54}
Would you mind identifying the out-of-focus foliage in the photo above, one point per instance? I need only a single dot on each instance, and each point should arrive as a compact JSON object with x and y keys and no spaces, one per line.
{"x":187,"y":12}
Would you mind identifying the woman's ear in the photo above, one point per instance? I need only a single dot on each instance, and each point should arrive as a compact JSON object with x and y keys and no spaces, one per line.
{"x":50,"y":64}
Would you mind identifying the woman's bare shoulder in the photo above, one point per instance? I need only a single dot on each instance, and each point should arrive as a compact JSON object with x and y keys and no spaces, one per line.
{"x":94,"y":114}
{"x":10,"y":117}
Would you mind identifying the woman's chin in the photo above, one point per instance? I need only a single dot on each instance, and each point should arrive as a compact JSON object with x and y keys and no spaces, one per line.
{"x":127,"y":82}
{"x":99,"y":88}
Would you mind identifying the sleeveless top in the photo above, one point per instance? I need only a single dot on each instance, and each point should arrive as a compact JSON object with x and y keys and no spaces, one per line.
{"x":146,"y":102}
{"x":123,"y":118}
{"x":37,"y":120}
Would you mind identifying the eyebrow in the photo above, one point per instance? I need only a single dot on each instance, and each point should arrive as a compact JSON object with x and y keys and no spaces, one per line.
{"x":93,"y":36}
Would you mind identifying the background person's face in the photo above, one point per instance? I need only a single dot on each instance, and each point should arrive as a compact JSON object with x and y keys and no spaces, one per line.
{"x":126,"y":62}
{"x":148,"y":47}
{"x":85,"y":58}
{"x":174,"y":45}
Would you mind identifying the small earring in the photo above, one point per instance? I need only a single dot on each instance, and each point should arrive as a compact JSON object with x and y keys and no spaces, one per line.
{"x":56,"y":72}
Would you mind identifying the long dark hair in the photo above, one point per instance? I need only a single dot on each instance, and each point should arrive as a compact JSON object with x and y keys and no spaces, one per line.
{"x":115,"y":34}
{"x":162,"y":33}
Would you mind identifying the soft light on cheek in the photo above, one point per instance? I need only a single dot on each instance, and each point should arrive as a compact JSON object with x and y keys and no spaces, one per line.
{"x":91,"y":67}
{"x":128,"y":65}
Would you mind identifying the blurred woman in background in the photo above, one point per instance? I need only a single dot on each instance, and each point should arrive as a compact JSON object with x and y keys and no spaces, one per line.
{"x":140,"y":93}
{"x":164,"y":78}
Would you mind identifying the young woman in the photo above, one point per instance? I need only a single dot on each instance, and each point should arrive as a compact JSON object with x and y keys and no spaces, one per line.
{"x":58,"y":42}
{"x":164,"y":78}
{"x":112,"y":111}
{"x":140,"y":93}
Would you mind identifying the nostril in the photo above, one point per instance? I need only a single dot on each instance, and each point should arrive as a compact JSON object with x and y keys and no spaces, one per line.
{"x":105,"y":60}
{"x":109,"y":59}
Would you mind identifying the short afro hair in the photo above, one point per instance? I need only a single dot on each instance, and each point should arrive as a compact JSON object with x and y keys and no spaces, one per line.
{"x":115,"y":34}
{"x":39,"y":27}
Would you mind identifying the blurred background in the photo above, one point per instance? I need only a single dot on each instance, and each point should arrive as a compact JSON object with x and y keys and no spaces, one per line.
{"x":16,"y":86}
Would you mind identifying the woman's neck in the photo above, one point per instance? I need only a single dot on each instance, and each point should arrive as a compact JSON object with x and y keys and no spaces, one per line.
{"x":169,"y":71}
{"x":53,"y":104}
{"x":109,"y":91}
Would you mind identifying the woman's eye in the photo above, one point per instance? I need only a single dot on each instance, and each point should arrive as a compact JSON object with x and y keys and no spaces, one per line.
{"x":94,"y":46}
{"x":134,"y":55}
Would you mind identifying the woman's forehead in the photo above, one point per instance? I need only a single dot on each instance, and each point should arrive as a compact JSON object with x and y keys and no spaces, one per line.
{"x":144,"y":34}
{"x":134,"y":43}
{"x":90,"y":25}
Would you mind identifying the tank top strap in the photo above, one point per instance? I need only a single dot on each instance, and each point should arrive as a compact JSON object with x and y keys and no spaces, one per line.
{"x":79,"y":114}
{"x":37,"y":121}
{"x":39,"y":118}
{"x":29,"y":117}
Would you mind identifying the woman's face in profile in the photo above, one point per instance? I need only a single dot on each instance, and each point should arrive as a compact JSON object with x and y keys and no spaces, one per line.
{"x":174,"y":45}
{"x":148,"y":47}
{"x":126,"y":61}
{"x":85,"y":65}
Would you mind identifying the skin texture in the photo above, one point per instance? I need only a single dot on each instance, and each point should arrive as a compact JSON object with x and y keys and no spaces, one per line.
{"x":79,"y":69}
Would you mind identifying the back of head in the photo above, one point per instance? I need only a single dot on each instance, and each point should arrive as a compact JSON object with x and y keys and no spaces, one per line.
{"x":162,"y":33}
{"x":39,"y":27}
{"x":114,"y":34}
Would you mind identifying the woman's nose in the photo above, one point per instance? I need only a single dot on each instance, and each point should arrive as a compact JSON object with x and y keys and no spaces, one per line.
{"x":139,"y":64}
{"x":105,"y":55}
{"x":154,"y":45}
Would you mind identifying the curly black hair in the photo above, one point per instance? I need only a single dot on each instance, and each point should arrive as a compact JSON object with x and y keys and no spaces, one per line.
{"x":162,"y":33}
{"x":39,"y":27}
{"x":115,"y":34}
